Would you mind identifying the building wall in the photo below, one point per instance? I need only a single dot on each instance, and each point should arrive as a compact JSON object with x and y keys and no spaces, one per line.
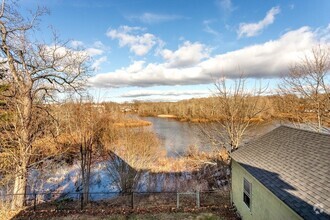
{"x":264,"y":204}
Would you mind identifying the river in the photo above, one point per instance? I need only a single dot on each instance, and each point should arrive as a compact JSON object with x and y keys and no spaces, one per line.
{"x":176,"y":136}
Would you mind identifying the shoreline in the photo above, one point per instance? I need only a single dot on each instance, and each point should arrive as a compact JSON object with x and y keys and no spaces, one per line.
{"x":167,"y":116}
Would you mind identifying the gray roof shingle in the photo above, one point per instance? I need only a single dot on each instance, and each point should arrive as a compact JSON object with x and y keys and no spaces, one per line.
{"x":294,"y":165}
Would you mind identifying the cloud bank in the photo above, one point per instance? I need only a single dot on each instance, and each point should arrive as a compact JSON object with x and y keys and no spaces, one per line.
{"x":266,"y":60}
{"x":186,"y":55}
{"x":144,"y":93}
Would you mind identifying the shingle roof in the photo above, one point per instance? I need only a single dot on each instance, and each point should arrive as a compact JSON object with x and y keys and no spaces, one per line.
{"x":294,"y":165}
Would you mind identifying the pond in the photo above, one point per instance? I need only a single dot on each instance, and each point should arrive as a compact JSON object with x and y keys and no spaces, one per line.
{"x":177,"y":137}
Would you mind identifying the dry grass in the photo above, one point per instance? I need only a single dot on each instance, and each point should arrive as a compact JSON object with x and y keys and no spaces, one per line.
{"x":192,"y":161}
{"x":6,"y":213}
{"x":169,"y":164}
{"x":132,"y":123}
{"x":200,"y":120}
{"x":148,"y":216}
{"x":167,"y":116}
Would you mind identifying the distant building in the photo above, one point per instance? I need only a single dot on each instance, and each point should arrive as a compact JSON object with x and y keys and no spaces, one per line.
{"x":284,"y":174}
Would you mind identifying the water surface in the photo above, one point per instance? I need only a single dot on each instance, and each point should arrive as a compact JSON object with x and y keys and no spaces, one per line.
{"x":177,"y":137}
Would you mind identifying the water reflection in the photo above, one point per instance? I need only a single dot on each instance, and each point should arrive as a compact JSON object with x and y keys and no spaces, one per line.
{"x":177,"y":136}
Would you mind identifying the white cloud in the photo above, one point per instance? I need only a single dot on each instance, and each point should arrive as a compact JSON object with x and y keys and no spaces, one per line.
{"x":323,"y":34}
{"x":208,"y":29}
{"x":94,"y":51}
{"x":139,"y":43}
{"x":266,"y":60}
{"x":97,"y":63}
{"x":270,"y":59}
{"x":151,"y":18}
{"x":186,"y":55}
{"x":225,"y":5}
{"x":143,"y":93}
{"x":150,"y":74}
{"x":136,"y":67}
{"x":253,"y":29}
{"x":98,"y":44}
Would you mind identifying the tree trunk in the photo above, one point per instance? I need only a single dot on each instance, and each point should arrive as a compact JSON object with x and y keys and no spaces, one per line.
{"x":86,"y":158}
{"x":20,"y":187}
{"x":25,"y":148}
{"x":319,"y":118}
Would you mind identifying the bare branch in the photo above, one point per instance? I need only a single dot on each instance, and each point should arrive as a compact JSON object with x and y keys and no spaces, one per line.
{"x":34,"y":71}
{"x":309,"y":79}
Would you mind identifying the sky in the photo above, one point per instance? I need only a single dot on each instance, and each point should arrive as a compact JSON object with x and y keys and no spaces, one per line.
{"x":169,"y":50}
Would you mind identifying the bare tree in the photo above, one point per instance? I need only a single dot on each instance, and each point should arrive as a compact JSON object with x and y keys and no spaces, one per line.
{"x":35,"y":71}
{"x":237,"y":107}
{"x":309,"y":80}
{"x":82,"y":126}
{"x":89,"y":132}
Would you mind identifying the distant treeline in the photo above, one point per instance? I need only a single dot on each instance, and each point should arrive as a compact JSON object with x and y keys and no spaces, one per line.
{"x":277,"y":107}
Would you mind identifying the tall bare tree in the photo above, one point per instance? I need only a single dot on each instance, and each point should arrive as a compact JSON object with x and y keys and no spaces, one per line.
{"x":237,"y":107}
{"x":310,"y":79}
{"x":35,"y":71}
{"x":85,"y":129}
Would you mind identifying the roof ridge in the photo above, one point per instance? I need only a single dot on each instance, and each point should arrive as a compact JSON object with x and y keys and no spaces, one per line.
{"x":303,"y":129}
{"x":278,"y":127}
{"x":256,"y":139}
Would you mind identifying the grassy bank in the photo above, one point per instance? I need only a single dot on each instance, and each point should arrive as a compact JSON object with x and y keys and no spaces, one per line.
{"x":167,"y":116}
{"x":132,"y":123}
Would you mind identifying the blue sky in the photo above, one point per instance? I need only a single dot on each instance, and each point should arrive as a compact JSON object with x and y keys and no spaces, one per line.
{"x":174,"y":49}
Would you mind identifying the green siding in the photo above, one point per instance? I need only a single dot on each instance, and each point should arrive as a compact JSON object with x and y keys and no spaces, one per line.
{"x":264,"y":204}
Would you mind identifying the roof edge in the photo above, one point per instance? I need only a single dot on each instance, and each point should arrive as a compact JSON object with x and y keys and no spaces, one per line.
{"x":232,"y":155}
{"x":303,"y":129}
